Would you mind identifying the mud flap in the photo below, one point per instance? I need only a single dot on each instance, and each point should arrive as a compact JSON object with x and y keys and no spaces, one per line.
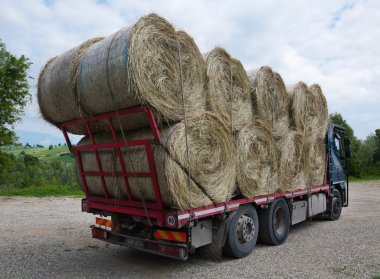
{"x":219,"y":236}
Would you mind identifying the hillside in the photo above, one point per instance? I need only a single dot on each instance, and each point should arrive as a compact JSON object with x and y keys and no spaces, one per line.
{"x":60,"y":153}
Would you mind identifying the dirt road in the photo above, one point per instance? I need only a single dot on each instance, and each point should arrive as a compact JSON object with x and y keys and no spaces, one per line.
{"x":50,"y":238}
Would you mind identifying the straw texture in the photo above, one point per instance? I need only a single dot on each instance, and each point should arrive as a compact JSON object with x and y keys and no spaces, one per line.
{"x":147,"y":63}
{"x":228,"y":89}
{"x":309,"y":112}
{"x":294,"y":161}
{"x":317,"y":158}
{"x":270,"y":99}
{"x":257,"y":159}
{"x":322,"y":110}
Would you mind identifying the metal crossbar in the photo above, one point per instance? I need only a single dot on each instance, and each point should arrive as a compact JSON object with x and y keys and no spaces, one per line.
{"x":117,"y":146}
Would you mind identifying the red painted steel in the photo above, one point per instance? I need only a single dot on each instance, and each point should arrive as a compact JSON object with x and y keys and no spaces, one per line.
{"x":154,"y":210}
{"x":117,"y":144}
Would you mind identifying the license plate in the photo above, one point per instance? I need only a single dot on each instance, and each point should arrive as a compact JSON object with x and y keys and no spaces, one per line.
{"x":135,"y":242}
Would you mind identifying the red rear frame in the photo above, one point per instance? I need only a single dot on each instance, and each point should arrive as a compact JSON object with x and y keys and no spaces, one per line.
{"x":155,"y":210}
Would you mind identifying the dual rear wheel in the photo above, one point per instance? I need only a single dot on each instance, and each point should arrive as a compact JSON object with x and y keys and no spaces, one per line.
{"x":274,"y":222}
{"x":243,"y":229}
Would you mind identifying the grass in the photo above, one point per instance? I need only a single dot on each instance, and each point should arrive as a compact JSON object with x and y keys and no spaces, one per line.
{"x":43,"y":191}
{"x":43,"y":154}
{"x":364,"y":179}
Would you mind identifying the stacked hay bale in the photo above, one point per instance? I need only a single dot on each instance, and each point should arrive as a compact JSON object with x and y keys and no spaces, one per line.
{"x":147,"y":63}
{"x":210,"y":164}
{"x":270,"y":99}
{"x":228,"y":92}
{"x":229,"y":96}
{"x":257,"y":160}
{"x":318,"y":149}
{"x":220,"y":127}
{"x":270,"y":103}
{"x":308,"y":118}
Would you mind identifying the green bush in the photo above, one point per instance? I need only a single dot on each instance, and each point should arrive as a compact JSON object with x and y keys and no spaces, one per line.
{"x":28,"y":171}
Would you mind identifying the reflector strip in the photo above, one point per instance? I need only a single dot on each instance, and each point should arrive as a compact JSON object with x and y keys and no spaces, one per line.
{"x":168,"y":235}
{"x":104,"y":222}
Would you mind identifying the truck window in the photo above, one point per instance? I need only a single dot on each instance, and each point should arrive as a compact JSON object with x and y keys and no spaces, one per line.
{"x":337,"y":145}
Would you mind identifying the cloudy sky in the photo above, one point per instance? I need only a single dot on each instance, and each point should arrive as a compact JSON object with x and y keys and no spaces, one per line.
{"x":334,"y":43}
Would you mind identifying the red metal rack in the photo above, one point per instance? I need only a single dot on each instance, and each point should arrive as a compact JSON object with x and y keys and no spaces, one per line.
{"x":110,"y":118}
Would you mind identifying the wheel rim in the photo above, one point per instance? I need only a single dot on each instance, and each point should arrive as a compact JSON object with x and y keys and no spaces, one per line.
{"x":336,"y":205}
{"x":279,"y":221}
{"x":245,"y":228}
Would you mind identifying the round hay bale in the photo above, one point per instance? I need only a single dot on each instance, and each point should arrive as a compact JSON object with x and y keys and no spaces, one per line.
{"x":317,"y":159}
{"x":304,"y":111}
{"x":257,"y":159}
{"x":322,"y":110}
{"x":57,"y":100}
{"x":270,"y":99}
{"x":147,"y":63}
{"x":228,"y":89}
{"x":211,"y":164}
{"x":294,"y":161}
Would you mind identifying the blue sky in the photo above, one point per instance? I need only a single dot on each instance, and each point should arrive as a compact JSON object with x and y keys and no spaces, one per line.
{"x":333,"y":43}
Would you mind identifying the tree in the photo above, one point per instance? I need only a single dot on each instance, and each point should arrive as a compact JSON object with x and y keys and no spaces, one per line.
{"x":376,"y":154}
{"x":14,"y":92}
{"x":354,"y":164}
{"x":50,"y":147}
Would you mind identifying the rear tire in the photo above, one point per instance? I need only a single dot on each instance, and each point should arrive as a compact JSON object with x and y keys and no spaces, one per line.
{"x":242,"y":232}
{"x":336,"y":211}
{"x":274,"y":222}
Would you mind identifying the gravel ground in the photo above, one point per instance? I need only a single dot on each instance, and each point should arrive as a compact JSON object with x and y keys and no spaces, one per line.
{"x":50,"y":238}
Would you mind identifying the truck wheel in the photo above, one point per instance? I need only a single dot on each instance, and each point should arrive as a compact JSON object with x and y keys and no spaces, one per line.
{"x":274,"y":223}
{"x":336,"y":210}
{"x":242,"y":232}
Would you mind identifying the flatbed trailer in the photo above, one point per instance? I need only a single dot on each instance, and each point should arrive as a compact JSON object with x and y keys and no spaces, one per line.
{"x":233,"y":226}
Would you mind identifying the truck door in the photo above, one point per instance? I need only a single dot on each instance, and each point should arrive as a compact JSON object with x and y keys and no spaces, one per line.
{"x":337,"y":160}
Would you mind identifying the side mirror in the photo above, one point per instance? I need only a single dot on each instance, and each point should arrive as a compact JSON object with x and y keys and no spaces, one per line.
{"x":347,"y":144}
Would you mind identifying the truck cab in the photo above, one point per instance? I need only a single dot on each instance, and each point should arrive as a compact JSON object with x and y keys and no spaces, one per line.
{"x":338,"y":152}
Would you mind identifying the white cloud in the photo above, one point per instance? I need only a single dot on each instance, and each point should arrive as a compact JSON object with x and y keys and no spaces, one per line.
{"x":334,"y":43}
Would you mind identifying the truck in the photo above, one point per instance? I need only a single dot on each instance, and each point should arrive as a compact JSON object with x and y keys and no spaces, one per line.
{"x":232,"y":227}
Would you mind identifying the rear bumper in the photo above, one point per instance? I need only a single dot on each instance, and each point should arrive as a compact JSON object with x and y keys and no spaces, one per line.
{"x":171,"y":250}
